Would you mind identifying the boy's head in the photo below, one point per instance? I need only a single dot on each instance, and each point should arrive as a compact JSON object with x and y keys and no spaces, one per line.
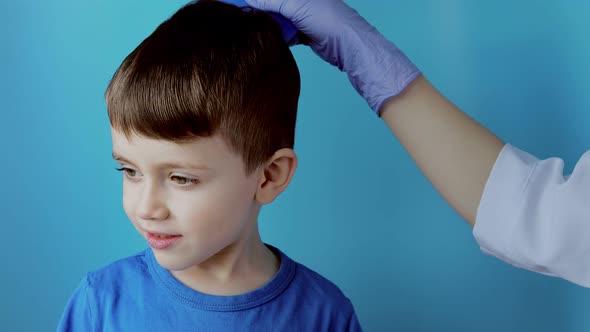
{"x":203,"y":115}
{"x":212,"y":68}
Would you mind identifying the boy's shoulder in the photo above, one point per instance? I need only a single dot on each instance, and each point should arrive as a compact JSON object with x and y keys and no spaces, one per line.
{"x":310,"y":294}
{"x":311,"y":286}
{"x":316,"y":284}
{"x":119,"y":272}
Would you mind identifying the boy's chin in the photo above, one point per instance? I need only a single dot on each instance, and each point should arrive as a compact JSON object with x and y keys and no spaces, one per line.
{"x":174,"y":263}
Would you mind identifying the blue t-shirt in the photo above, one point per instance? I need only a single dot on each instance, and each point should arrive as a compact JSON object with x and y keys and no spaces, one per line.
{"x":137,"y":294}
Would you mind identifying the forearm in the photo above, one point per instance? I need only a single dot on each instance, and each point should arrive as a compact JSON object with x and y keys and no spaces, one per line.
{"x":454,"y":151}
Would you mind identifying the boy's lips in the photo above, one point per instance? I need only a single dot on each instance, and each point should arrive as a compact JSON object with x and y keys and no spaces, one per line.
{"x":158,"y":240}
{"x":160,"y":234}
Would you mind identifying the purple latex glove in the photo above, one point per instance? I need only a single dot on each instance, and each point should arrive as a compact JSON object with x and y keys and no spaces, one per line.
{"x":290,"y":33}
{"x":338,"y":34}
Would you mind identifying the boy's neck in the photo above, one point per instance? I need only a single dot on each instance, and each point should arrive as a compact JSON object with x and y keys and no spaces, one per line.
{"x":243,"y":266}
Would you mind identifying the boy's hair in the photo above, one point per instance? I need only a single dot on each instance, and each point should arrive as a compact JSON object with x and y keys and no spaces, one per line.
{"x":211,"y":67}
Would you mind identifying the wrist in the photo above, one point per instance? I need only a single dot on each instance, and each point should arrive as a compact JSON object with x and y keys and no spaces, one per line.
{"x":376,"y":67}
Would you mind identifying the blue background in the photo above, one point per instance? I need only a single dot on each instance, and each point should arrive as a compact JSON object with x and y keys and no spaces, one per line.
{"x":358,"y":210}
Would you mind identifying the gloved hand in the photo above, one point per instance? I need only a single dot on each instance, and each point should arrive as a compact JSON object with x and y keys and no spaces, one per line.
{"x":338,"y":34}
{"x":290,"y":33}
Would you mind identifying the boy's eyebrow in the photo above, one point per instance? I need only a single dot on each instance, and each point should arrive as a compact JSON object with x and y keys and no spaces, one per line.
{"x":118,"y":157}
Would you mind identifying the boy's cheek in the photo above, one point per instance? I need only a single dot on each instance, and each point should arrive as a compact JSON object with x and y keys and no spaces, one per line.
{"x":129,"y":202}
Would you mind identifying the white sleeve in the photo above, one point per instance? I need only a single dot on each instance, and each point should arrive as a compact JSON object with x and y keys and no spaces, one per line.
{"x":534,"y":217}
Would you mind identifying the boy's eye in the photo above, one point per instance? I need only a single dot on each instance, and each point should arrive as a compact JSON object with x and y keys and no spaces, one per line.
{"x":181,"y":180}
{"x":128,"y":171}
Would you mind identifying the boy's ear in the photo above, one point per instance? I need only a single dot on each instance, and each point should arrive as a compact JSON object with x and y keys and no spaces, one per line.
{"x":275,"y":175}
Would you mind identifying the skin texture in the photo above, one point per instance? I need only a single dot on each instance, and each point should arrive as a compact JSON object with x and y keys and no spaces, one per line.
{"x":454,"y":151}
{"x":200,"y":191}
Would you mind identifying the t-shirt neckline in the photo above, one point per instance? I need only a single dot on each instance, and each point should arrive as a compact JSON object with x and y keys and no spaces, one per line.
{"x":203,"y":301}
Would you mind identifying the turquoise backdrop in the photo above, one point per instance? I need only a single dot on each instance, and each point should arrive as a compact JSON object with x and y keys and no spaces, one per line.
{"x":358,"y":210}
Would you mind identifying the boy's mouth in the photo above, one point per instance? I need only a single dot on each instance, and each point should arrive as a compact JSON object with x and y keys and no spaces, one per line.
{"x":161,"y":241}
{"x":158,"y":234}
{"x":162,"y":236}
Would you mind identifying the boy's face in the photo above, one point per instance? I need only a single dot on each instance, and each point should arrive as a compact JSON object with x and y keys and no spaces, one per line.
{"x":195,"y":195}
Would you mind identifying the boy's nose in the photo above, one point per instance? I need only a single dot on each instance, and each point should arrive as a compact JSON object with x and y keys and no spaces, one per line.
{"x":150,"y":205}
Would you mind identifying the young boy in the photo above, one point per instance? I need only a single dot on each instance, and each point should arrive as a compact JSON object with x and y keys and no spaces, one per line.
{"x":202,"y":115}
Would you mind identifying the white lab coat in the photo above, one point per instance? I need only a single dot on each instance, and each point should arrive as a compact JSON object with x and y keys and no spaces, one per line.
{"x":534,"y":217}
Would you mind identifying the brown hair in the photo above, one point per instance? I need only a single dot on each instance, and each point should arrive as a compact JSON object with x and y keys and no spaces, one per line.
{"x":210,"y":67}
